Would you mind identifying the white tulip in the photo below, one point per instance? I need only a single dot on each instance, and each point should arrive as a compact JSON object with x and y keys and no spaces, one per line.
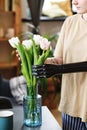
{"x":14,"y":41}
{"x":44,"y":44}
{"x":27,"y":43}
{"x":37,"y":39}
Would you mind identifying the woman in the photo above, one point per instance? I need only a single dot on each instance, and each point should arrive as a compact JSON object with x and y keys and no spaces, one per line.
{"x":72,"y":47}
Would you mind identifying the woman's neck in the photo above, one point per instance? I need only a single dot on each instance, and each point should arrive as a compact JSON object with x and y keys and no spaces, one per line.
{"x":84,"y":16}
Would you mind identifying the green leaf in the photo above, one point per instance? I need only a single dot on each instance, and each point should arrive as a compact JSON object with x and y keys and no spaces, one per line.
{"x":23,"y":60}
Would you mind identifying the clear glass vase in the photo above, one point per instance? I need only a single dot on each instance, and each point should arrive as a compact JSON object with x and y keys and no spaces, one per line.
{"x":32,"y":111}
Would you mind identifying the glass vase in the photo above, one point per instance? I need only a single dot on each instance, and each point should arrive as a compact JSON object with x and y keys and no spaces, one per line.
{"x":32,"y":111}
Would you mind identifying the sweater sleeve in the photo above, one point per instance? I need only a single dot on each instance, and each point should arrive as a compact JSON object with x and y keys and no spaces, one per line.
{"x":58,"y":52}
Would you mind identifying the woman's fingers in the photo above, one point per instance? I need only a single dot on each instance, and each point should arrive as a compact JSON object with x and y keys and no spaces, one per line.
{"x":17,"y":55}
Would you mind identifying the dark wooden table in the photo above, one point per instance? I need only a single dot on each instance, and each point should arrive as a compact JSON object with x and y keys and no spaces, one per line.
{"x":48,"y":121}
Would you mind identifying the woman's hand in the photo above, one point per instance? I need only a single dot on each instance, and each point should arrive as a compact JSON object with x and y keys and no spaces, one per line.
{"x":53,"y":60}
{"x":17,"y":55}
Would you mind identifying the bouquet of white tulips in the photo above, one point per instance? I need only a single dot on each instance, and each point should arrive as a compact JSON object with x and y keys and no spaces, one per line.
{"x":32,"y":52}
